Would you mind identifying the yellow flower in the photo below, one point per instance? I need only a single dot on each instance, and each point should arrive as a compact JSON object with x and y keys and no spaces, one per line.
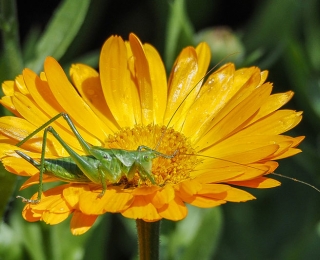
{"x":226,"y":129}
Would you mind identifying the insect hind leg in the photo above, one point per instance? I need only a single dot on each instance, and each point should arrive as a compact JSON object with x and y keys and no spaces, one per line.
{"x":36,"y":164}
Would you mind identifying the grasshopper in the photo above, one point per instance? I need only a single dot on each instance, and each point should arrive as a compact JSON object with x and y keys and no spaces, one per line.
{"x":99,"y":165}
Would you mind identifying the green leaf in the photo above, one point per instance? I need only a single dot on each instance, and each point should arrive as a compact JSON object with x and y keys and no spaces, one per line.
{"x":7,"y":182}
{"x":9,"y":244}
{"x":60,"y":32}
{"x":195,"y":237}
{"x":11,"y":61}
{"x":179,"y":31}
{"x":312,"y":31}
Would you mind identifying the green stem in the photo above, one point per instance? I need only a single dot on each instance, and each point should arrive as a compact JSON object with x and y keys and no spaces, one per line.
{"x":10,"y":38}
{"x":148,"y":239}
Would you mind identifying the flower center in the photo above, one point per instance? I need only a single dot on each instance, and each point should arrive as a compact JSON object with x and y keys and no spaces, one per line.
{"x":163,"y":140}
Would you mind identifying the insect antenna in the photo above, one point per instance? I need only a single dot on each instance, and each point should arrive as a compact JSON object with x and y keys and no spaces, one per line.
{"x":252,"y":167}
{"x":188,"y":94}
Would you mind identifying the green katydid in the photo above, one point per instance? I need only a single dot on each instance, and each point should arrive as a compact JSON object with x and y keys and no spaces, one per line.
{"x":99,"y":165}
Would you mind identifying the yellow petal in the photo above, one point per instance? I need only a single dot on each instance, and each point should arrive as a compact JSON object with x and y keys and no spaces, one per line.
{"x":69,"y":99}
{"x":273,"y":103}
{"x":276,"y":123}
{"x":237,"y":116}
{"x":159,"y":83}
{"x":218,"y":175}
{"x":240,"y":158}
{"x":87,"y":82}
{"x":8,"y":88}
{"x":143,"y":79}
{"x":119,"y":90}
{"x":54,"y":218}
{"x":183,"y":78}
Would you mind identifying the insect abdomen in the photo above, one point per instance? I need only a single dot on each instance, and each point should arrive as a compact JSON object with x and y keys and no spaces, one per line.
{"x":64,"y":169}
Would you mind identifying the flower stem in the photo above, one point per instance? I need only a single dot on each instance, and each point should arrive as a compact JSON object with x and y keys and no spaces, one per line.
{"x":148,"y":239}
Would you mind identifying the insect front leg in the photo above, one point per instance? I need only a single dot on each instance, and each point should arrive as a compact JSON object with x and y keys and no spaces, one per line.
{"x":143,"y":147}
{"x":143,"y":173}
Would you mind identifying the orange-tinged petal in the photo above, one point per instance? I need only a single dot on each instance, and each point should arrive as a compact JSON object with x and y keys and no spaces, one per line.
{"x":175,"y":210}
{"x":202,"y":201}
{"x":259,"y":183}
{"x":237,"y":195}
{"x":29,"y":215}
{"x":35,"y":180}
{"x":142,"y":208}
{"x":189,"y":187}
{"x":81,"y":223}
{"x":163,"y":196}
{"x":112,"y":201}
{"x":145,"y":190}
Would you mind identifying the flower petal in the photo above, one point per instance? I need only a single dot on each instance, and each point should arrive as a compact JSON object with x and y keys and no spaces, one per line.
{"x":69,"y":99}
{"x":175,"y":210}
{"x":142,"y":208}
{"x":119,"y":90}
{"x":81,"y":223}
{"x":87,"y":82}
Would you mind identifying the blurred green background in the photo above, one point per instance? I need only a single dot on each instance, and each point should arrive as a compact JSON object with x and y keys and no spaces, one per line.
{"x":280,"y":36}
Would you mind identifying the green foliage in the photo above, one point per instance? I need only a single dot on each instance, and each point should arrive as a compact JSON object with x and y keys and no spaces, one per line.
{"x":60,"y":32}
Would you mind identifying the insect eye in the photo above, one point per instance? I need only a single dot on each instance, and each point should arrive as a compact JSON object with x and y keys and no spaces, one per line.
{"x":145,"y":157}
